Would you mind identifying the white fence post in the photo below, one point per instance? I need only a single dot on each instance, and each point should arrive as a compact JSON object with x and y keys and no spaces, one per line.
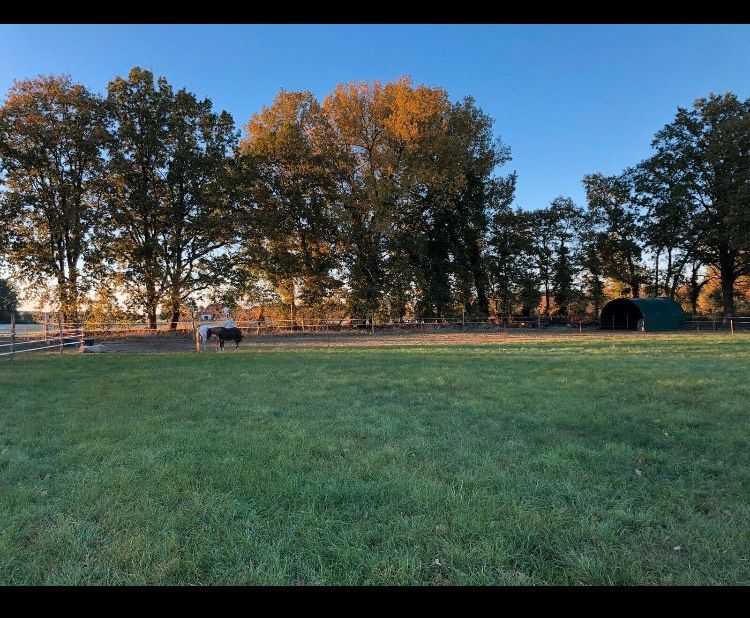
{"x":60,"y":331}
{"x":195,"y":334}
{"x":12,"y":335}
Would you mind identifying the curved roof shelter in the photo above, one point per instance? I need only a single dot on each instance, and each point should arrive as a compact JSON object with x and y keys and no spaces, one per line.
{"x":656,"y":313}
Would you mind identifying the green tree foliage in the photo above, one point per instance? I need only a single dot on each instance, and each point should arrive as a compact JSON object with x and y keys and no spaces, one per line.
{"x":367,"y":165}
{"x":417,"y":187}
{"x":199,"y":198}
{"x":52,"y":132}
{"x":514,"y":281}
{"x":8,"y":300}
{"x":568,"y":221}
{"x":380,"y":199}
{"x":592,"y":263}
{"x":697,"y":185}
{"x":616,"y":230}
{"x":168,"y":169}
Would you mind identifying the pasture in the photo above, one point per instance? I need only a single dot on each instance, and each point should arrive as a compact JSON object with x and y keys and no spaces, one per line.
{"x":591,"y":460}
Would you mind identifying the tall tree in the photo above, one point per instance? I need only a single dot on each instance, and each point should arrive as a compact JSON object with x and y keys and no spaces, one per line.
{"x":568,"y":219}
{"x":592,"y":262}
{"x":198,"y":197}
{"x":703,"y":156}
{"x":366,"y":169}
{"x":543,"y":228}
{"x":168,"y":170}
{"x":289,"y":200}
{"x":137,"y":167}
{"x":669,"y":223}
{"x":616,"y":220}
{"x":513,"y":279}
{"x":479,"y":194}
{"x":52,"y":134}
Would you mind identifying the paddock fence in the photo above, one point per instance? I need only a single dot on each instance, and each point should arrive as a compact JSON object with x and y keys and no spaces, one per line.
{"x":53,"y":335}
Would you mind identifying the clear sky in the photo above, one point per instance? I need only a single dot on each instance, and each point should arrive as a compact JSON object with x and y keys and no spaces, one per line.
{"x":568,"y":99}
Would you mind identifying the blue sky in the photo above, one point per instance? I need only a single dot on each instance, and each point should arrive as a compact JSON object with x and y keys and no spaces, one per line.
{"x":568,"y":99}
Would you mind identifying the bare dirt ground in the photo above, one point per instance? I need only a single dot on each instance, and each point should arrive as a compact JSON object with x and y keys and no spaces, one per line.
{"x":182,"y":341}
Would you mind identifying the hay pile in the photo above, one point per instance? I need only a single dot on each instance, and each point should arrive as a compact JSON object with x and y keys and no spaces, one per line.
{"x":97,"y":348}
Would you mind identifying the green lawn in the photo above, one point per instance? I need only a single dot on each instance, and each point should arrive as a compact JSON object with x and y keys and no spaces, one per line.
{"x":591,"y":461}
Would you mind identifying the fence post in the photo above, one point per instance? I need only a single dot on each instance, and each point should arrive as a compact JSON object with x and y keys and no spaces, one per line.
{"x":731,"y":327}
{"x":12,"y":335}
{"x":195,"y":333}
{"x":372,"y":324}
{"x":60,"y":332}
{"x":463,"y":319}
{"x":580,"y":326}
{"x":46,"y":328}
{"x":539,"y":322}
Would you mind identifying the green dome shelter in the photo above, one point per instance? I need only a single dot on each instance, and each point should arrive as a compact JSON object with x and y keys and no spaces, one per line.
{"x":649,"y":314}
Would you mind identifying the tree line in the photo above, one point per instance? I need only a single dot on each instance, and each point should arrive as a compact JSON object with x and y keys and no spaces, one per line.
{"x":381,"y":199}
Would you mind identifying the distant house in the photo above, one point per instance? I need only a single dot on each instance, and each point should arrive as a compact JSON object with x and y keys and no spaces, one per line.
{"x":213,"y":312}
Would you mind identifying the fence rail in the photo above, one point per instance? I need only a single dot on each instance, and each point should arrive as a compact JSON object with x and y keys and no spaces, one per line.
{"x":58,"y":334}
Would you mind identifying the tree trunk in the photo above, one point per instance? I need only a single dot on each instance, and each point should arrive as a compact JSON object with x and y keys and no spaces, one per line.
{"x":175,"y":319}
{"x":293,"y":310}
{"x":482,"y":306}
{"x":726,"y":269}
{"x":727,"y":292}
{"x":174,"y":309}
{"x":151,"y":315}
{"x":62,"y":296}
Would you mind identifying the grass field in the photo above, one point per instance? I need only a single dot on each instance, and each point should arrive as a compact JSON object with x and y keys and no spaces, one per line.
{"x":578,"y":460}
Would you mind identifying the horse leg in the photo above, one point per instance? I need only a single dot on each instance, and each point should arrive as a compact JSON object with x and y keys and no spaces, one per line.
{"x":221,"y":344}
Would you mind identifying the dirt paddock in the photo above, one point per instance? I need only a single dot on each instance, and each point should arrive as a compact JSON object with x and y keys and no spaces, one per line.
{"x":182,"y":341}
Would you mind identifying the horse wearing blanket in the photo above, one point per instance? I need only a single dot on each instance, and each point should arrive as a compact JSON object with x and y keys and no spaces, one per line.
{"x":223,"y":334}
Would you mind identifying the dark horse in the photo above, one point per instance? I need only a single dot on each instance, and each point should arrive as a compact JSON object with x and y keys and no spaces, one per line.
{"x":224,"y":334}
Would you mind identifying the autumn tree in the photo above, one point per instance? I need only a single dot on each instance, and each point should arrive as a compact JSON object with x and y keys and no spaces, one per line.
{"x":417,"y":184}
{"x":475,"y":194}
{"x":365,"y":169}
{"x":130,"y":233}
{"x":52,"y":135}
{"x":291,"y":228}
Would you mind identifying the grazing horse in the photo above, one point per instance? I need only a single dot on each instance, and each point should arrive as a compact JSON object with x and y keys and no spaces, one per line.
{"x":223,"y":333}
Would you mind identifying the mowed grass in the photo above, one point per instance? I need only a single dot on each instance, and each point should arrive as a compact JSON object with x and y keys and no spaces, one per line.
{"x":580,"y":460}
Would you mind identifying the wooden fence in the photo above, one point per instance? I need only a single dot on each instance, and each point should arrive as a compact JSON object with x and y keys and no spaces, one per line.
{"x":55,"y":335}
